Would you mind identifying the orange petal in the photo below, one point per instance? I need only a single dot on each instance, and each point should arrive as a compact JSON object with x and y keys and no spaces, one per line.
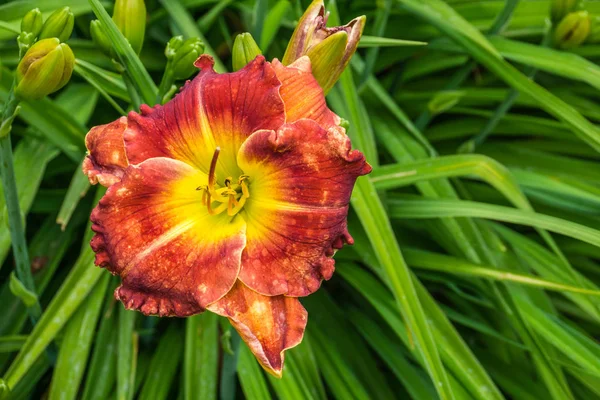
{"x":212,"y":110}
{"x":301,"y":179}
{"x":302,"y":95}
{"x":106,"y":159}
{"x":153,"y":231}
{"x":268,"y":325}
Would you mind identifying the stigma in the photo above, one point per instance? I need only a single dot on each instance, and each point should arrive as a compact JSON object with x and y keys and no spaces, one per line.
{"x":229,"y":197}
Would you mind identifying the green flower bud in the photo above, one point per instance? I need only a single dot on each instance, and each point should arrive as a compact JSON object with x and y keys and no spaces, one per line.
{"x":32,"y":22}
{"x":572,"y":30}
{"x":560,"y":8}
{"x":312,"y":38}
{"x":245,"y":50}
{"x":183,"y":60}
{"x":59,"y":25}
{"x":174,"y":44}
{"x":46,"y":67}
{"x":130,"y":18}
{"x":24,"y":40}
{"x":99,"y":37}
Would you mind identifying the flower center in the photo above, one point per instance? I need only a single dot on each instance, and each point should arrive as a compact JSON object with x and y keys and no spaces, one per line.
{"x":229,"y":197}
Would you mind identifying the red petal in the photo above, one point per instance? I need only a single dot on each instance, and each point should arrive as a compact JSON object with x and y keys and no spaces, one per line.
{"x":212,"y":110}
{"x":302,"y":95}
{"x":268,"y":325}
{"x":153,"y":231}
{"x":106,"y":159}
{"x":301,"y":179}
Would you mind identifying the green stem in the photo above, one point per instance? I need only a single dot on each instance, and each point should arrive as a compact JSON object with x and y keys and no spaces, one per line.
{"x":9,"y":184}
{"x":133,"y":94}
{"x":165,"y":83}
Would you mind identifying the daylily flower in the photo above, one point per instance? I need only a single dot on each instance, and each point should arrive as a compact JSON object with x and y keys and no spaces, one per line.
{"x":231,"y":198}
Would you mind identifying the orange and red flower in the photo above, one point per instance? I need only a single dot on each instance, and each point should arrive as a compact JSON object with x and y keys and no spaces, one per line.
{"x":230,"y":198}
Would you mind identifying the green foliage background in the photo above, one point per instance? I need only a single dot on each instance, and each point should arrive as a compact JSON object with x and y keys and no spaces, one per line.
{"x":476,"y":268}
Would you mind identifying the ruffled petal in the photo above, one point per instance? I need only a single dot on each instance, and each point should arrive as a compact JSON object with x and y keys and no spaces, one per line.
{"x":106,"y":160}
{"x":153,"y":231}
{"x":212,"y":110}
{"x":268,"y":325}
{"x":301,"y":179}
{"x":302,"y":95}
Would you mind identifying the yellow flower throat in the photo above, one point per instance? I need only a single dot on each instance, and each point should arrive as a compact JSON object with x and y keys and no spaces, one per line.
{"x":231,"y":197}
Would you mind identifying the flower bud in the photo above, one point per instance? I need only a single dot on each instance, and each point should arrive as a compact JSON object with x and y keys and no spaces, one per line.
{"x":560,"y":8}
{"x":245,"y":50}
{"x":46,"y":67}
{"x":572,"y":30}
{"x":174,"y":44}
{"x":99,"y":37}
{"x":32,"y":22}
{"x":130,"y":18}
{"x":183,"y":60}
{"x":59,"y":25}
{"x":313,"y":38}
{"x":24,"y":40}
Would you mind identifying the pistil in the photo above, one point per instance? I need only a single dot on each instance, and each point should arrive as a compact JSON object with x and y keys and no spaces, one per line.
{"x":229,"y":195}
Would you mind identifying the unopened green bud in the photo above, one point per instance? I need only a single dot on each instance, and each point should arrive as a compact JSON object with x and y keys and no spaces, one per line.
{"x":185,"y":55}
{"x":245,"y":50}
{"x":327,"y":59}
{"x":32,"y":22}
{"x":560,"y":8}
{"x":572,"y":30}
{"x":99,"y":37}
{"x":130,"y":18}
{"x":313,"y":38}
{"x":174,"y":44}
{"x":46,"y":67}
{"x":59,"y":25}
{"x":24,"y":40}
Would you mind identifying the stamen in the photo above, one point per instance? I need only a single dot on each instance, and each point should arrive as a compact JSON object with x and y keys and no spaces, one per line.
{"x":230,"y":205}
{"x":208,"y":203}
{"x":245,"y":191}
{"x":226,"y":195}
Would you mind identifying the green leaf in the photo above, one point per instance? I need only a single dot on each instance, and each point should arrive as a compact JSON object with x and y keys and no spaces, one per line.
{"x":201,"y":357}
{"x":272,"y":23}
{"x":141,"y":79}
{"x":251,"y":376}
{"x":456,"y":27}
{"x":76,"y":343}
{"x":17,"y":288}
{"x":375,"y":41}
{"x":183,"y":20}
{"x":426,"y":208}
{"x":163,"y":366}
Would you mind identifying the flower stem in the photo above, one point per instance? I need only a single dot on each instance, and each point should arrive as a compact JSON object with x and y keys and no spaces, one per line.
{"x":165,"y":83}
{"x":133,"y":93}
{"x":17,"y":231}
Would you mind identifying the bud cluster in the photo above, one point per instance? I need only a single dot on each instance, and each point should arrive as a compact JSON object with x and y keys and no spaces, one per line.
{"x":47,"y":63}
{"x":59,"y":25}
{"x":181,"y":56}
